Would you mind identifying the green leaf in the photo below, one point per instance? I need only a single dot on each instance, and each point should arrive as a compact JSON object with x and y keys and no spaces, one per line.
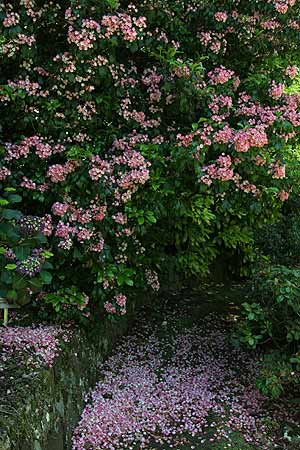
{"x":22,"y":252}
{"x":11,"y":214}
{"x":14,"y":198}
{"x":46,"y":254}
{"x":46,"y":277}
{"x":6,"y":277}
{"x":41,"y":239}
{"x":251,"y":341}
{"x":10,"y":266}
{"x":48,"y":265}
{"x":12,"y":294}
{"x":150,"y":217}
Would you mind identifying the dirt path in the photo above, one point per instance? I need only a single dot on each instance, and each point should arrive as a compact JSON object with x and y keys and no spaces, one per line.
{"x":177,"y":383}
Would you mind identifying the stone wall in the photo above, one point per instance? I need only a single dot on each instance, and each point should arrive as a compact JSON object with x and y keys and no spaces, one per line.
{"x":44,"y":415}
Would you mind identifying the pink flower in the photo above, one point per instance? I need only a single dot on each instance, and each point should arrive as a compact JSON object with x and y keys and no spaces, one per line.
{"x":277,"y":171}
{"x":99,"y":168}
{"x":110,"y":308}
{"x":251,"y":137}
{"x":291,"y":71}
{"x":283,"y":196}
{"x":223,"y":136}
{"x":220,"y":75}
{"x":99,"y":213}
{"x":98,"y":246}
{"x":64,"y":230}
{"x":121,"y":300}
{"x":11,"y":20}
{"x":276,"y":90}
{"x":123,"y":24}
{"x":260,"y":160}
{"x":84,"y":234}
{"x":47,"y":225}
{"x":59,"y":172}
{"x":282,"y":6}
{"x":40,"y":343}
{"x":60,"y":209}
{"x":152,"y":279}
{"x":221,"y":16}
{"x":120,"y":218}
{"x":4,"y":173}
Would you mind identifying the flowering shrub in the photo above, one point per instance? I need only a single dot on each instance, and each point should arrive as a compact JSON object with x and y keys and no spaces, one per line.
{"x":125,"y":122}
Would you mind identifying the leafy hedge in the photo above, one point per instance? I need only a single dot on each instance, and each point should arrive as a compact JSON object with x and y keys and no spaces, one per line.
{"x":272,"y":317}
{"x":140,"y":133}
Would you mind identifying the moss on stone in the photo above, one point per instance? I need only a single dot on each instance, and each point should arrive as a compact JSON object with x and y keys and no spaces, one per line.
{"x":45,"y":406}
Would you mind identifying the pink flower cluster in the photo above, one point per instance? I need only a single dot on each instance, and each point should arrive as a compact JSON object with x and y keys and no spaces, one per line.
{"x":11,"y":20}
{"x":222,"y":170}
{"x":32,"y":88}
{"x":282,"y":6}
{"x":60,"y":209}
{"x":42,"y":149}
{"x":214,"y":41}
{"x":224,"y":136}
{"x":283,"y":196}
{"x":59,"y":172}
{"x":221,"y":16}
{"x":99,"y":168}
{"x":220,"y":106}
{"x":123,"y":24}
{"x":251,"y":137}
{"x":291,"y":71}
{"x":203,"y":137}
{"x":84,"y":39}
{"x":220,"y":75}
{"x":118,"y":305}
{"x":120,"y":218}
{"x":4,"y":173}
{"x":152,"y":279}
{"x":276,"y":90}
{"x":80,"y":223}
{"x":151,"y":79}
{"x":246,"y":186}
{"x":277,"y":170}
{"x":37,"y":345}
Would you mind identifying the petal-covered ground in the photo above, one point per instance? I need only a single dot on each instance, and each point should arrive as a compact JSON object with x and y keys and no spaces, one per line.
{"x":177,"y":383}
{"x":24,"y":351}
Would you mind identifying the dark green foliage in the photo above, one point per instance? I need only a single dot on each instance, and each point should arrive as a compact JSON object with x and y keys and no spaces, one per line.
{"x":24,"y":256}
{"x":272,"y":318}
{"x":281,"y":240}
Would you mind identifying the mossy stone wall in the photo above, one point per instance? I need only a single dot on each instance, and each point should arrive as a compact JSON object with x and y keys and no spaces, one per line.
{"x":43,"y":417}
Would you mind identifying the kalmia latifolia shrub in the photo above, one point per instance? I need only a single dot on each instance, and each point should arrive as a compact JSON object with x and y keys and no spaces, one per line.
{"x":143,"y":131}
